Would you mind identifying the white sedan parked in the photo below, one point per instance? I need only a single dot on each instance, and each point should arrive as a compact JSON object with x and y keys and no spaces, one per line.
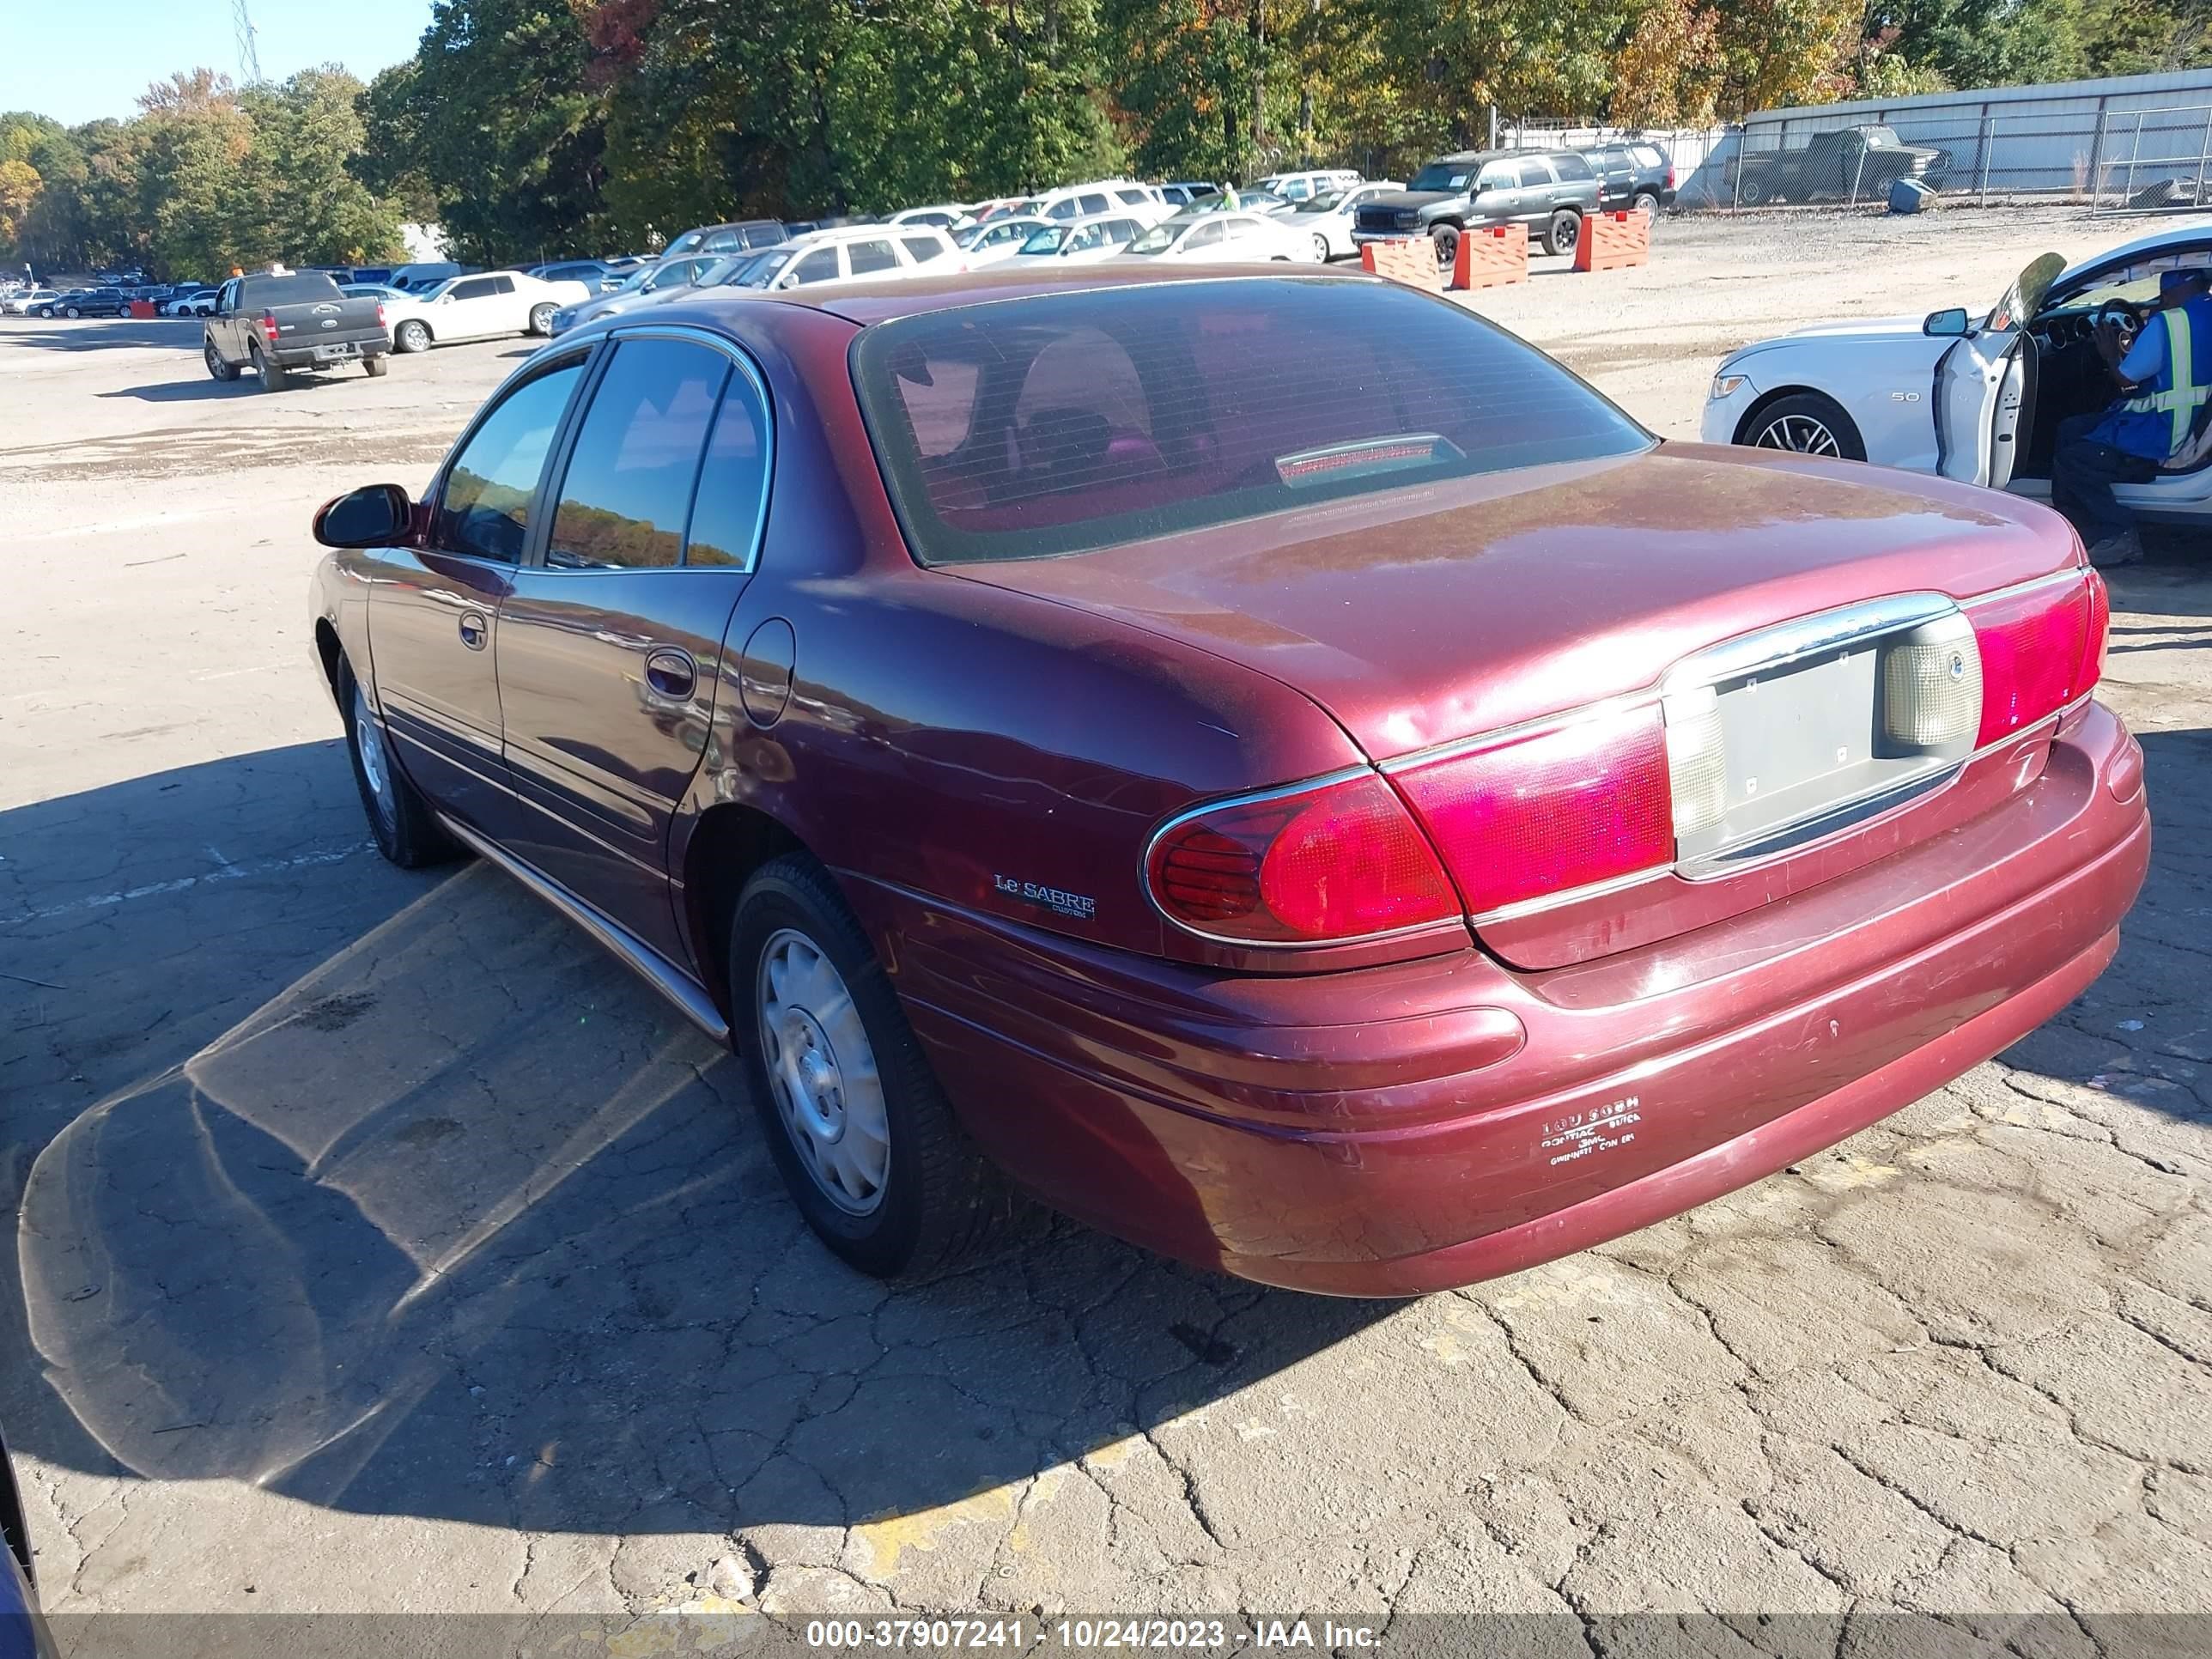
{"x":484,"y":307}
{"x":994,"y":239}
{"x":1212,"y":237}
{"x":1325,"y":219}
{"x":1083,"y":241}
{"x":886,"y":252}
{"x":1973,"y":398}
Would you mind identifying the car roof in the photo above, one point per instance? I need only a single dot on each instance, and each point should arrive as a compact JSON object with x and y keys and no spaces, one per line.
{"x":878,"y":301}
{"x":2160,"y":241}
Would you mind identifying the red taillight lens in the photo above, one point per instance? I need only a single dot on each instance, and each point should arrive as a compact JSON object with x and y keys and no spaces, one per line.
{"x":269,"y":326}
{"x":1337,"y":862}
{"x":1533,"y":816}
{"x":2040,"y":650}
{"x":1670,"y":178}
{"x":379,"y":313}
{"x":2100,"y":629}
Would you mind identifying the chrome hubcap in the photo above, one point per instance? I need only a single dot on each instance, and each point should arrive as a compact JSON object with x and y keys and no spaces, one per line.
{"x":1800,"y":433}
{"x":369,"y":742}
{"x":822,"y":1070}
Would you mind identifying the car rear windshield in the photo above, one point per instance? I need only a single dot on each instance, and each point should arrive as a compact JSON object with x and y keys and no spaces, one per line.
{"x":286,"y":290}
{"x":1058,"y":424}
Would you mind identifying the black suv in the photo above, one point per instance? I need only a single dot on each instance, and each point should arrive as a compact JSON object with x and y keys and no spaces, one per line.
{"x":1547,"y":190}
{"x":1632,"y":175}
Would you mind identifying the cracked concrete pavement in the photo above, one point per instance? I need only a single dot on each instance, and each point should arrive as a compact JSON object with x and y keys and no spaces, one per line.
{"x":382,"y":1245}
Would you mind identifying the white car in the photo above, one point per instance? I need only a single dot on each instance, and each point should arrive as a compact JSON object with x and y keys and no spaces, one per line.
{"x":943,"y":215}
{"x":994,"y":239}
{"x":1975,"y":399}
{"x":850,"y":252}
{"x":483,"y":307}
{"x":1083,"y":241}
{"x":20,"y":301}
{"x":198,"y":303}
{"x":1305,"y":187}
{"x":1325,"y":219}
{"x":1105,"y":196}
{"x":1214,"y":236}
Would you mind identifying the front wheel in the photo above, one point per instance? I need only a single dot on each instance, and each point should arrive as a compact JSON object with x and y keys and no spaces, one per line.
{"x":406,"y":830}
{"x":412,"y":337}
{"x":1564,"y":230}
{"x":1321,"y":247}
{"x":216,"y":367}
{"x":857,"y":1124}
{"x":1805,"y":423}
{"x":541,"y":318}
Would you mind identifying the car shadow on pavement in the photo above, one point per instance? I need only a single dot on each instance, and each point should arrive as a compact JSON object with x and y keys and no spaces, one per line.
{"x":394,"y":1193}
{"x":189,"y":390}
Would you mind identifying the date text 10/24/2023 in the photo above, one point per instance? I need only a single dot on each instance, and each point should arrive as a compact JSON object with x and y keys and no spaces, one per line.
{"x":1145,"y":1635}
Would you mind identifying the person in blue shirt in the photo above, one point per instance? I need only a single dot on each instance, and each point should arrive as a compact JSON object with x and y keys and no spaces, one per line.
{"x":2167,"y":377}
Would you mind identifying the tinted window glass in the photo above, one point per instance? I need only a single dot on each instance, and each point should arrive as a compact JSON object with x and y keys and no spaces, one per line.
{"x":1092,"y":204}
{"x":921,"y":249}
{"x":629,"y":484}
{"x":1442,"y":175}
{"x":472,"y":290}
{"x":733,"y":482}
{"x":1571,"y":167}
{"x":1206,"y":235}
{"x":486,"y":506}
{"x":287,"y":290}
{"x":503,"y":284}
{"x":1532,"y":172}
{"x":1131,"y":197}
{"x":818,"y":266}
{"x":872,"y":255}
{"x":1115,"y":414}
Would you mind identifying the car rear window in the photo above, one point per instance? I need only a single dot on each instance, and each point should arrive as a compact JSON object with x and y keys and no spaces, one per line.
{"x":286,"y":290}
{"x":1061,"y":423}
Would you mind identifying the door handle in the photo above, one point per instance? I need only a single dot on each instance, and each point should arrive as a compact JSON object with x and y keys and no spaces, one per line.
{"x":670,"y":671}
{"x":473,"y":633}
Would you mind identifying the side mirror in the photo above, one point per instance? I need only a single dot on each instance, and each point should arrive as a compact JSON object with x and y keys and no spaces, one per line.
{"x":370,"y":517}
{"x":1949,"y":325}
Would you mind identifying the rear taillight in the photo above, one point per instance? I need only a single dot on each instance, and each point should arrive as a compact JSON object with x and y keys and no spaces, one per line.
{"x":2040,"y":649}
{"x":379,"y":313}
{"x":1524,"y":817}
{"x":1670,"y":178}
{"x":2100,"y":629}
{"x":269,"y":326}
{"x":1340,"y":860}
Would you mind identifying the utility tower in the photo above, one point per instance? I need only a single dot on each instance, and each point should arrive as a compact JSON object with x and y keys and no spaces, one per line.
{"x":249,"y":57}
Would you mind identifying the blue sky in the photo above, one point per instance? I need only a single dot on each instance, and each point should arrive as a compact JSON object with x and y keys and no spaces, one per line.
{"x":76,"y":62}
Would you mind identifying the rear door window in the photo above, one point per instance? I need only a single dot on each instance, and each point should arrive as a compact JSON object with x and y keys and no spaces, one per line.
{"x":1061,"y":423}
{"x":484,"y":508}
{"x":733,"y":497}
{"x":922,"y":248}
{"x":626,"y":492}
{"x":478,"y":287}
{"x":874,"y":254}
{"x":1532,"y":172}
{"x":1093,"y":203}
{"x":1573,"y":166}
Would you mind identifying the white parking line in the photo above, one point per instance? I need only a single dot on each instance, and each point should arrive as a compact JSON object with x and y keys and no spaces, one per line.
{"x":226,"y":872}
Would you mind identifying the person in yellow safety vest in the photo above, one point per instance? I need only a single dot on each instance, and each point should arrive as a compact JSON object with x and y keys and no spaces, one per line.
{"x":2168,"y":374}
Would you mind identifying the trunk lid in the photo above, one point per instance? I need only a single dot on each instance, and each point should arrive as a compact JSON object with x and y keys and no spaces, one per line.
{"x":1422,"y":616}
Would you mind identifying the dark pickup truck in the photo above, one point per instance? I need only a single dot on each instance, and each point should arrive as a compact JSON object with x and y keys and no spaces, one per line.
{"x":279,"y":326}
{"x":1857,"y":163}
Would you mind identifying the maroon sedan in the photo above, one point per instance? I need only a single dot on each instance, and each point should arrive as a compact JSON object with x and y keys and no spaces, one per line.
{"x":1268,"y":763}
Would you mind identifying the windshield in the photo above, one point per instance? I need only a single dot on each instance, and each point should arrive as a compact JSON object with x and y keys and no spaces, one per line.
{"x":683,"y":244}
{"x":1443,"y":175}
{"x":431,"y":292}
{"x":1158,"y":239}
{"x":1064,"y":423}
{"x":766,"y":269}
{"x":1046,"y":240}
{"x":969,"y":237}
{"x":1880,"y":137}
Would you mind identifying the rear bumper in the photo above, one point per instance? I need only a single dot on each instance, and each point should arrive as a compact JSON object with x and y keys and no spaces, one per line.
{"x":291,"y":357}
{"x":1400,"y":1129}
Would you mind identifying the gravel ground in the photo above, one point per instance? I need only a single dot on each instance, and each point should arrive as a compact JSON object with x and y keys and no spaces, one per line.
{"x":384,"y":1246}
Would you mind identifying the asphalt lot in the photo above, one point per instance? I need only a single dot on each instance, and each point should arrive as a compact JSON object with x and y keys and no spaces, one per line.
{"x":384,"y":1245}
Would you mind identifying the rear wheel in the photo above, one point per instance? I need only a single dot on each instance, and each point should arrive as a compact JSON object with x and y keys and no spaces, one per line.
{"x":1753,"y":192}
{"x":405,"y":827}
{"x":1805,"y":423}
{"x":1321,"y":247}
{"x":1564,"y":230}
{"x":274,"y":377}
{"x":857,"y":1124}
{"x":1446,"y":237}
{"x":1647,"y":202}
{"x":377,"y":367}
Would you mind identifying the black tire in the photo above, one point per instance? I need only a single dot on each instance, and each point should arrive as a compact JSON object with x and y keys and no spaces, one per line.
{"x":1753,"y":192}
{"x":541,"y":318}
{"x":1446,"y":237}
{"x":407,"y":831}
{"x":71,"y":311}
{"x":216,"y":367}
{"x":940,"y":1203}
{"x":274,"y":377}
{"x":1563,"y":231}
{"x":378,"y":367}
{"x":46,"y":311}
{"x":412,"y":336}
{"x":1787,"y":424}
